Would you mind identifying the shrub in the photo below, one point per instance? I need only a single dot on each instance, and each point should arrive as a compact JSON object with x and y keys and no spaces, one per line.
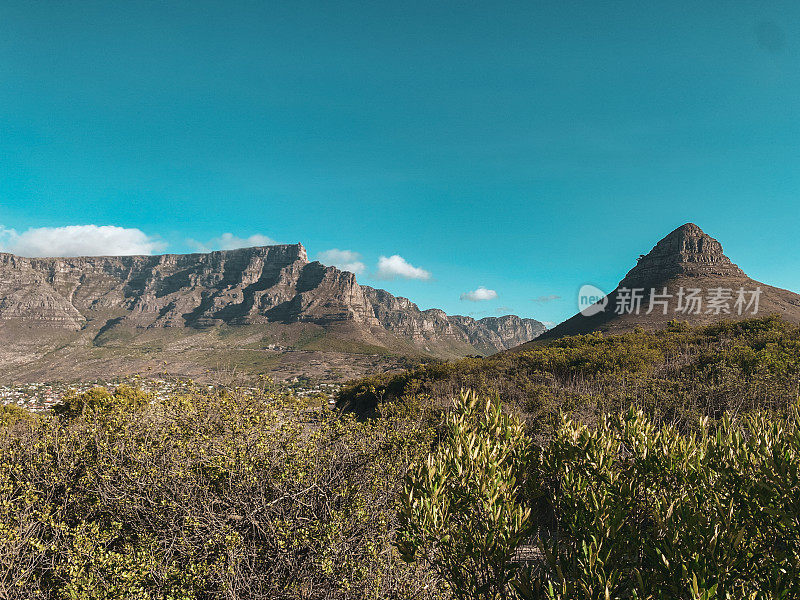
{"x":627,"y":509}
{"x":460,"y":510}
{"x":206,"y":495}
{"x":99,"y":400}
{"x":11,"y":414}
{"x":647,"y":512}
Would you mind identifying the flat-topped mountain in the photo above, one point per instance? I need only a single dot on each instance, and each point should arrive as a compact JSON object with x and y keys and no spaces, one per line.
{"x":268,"y":299}
{"x":685,"y":277}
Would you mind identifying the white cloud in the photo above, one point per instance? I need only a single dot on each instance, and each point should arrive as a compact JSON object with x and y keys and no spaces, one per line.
{"x":346,"y":260}
{"x":397,"y":266}
{"x":549,"y":324}
{"x":78,"y":240}
{"x":546,"y":299}
{"x":479,"y":295}
{"x":228,"y":241}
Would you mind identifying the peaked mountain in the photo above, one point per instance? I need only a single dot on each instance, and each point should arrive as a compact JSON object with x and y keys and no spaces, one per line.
{"x":685,"y":277}
{"x":196,"y":311}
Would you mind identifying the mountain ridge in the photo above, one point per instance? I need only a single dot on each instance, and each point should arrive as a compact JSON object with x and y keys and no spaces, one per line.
{"x":276,"y":288}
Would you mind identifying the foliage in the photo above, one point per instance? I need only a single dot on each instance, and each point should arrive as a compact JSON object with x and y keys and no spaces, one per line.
{"x":626,"y":509}
{"x":460,"y":512}
{"x":648,"y":512}
{"x":648,"y":465}
{"x":677,"y":374}
{"x":99,"y":400}
{"x":11,"y":414}
{"x":206,"y":495}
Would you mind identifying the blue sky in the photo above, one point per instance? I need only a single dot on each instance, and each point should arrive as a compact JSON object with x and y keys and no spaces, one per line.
{"x":523,"y":147}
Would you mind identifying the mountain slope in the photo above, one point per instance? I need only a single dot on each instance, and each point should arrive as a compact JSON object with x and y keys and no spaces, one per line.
{"x":685,"y":260}
{"x":58,"y":315}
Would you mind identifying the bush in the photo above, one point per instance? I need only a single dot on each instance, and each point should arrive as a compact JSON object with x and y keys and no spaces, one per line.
{"x":232,"y":494}
{"x":627,"y":509}
{"x":11,"y":414}
{"x":99,"y":401}
{"x":206,"y":495}
{"x":648,"y":512}
{"x":461,"y":514}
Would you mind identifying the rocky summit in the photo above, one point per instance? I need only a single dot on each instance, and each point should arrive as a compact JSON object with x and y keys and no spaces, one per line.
{"x":686,"y":277}
{"x":687,"y":252}
{"x":263,"y":308}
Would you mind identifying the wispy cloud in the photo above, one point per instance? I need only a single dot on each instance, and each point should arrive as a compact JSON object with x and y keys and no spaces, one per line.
{"x":546,"y":299}
{"x":479,"y":295}
{"x":79,"y":240}
{"x":395,"y":266}
{"x":346,"y":260}
{"x":228,"y":241}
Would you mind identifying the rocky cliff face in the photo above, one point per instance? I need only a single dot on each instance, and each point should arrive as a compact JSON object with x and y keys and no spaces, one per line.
{"x":249,"y":286}
{"x":486,"y":335}
{"x":686,"y":259}
{"x":687,"y":251}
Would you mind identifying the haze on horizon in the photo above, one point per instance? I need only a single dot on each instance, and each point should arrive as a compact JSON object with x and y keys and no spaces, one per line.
{"x":482,"y":159}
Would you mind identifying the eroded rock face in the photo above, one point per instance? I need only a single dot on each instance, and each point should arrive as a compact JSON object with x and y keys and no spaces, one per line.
{"x":170,"y":290}
{"x":686,"y":259}
{"x":486,"y":335}
{"x":510,"y":328}
{"x":236,"y":287}
{"x":686,"y":251}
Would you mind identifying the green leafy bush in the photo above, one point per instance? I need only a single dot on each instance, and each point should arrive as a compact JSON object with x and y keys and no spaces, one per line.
{"x":461,"y":514}
{"x":626,"y":509}
{"x":647,"y":512}
{"x":206,"y":495}
{"x":99,"y":401}
{"x":11,"y":414}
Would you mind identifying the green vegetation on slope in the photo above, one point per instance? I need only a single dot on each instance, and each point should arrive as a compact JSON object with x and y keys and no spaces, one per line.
{"x":677,"y":374}
{"x":651,"y":465}
{"x":203,"y":496}
{"x":625,"y":510}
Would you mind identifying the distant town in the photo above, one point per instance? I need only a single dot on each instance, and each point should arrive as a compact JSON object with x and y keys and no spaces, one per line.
{"x":41,"y":397}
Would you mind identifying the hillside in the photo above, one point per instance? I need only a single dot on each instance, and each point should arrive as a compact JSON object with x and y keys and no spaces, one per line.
{"x":657,"y":290}
{"x":261,"y":309}
{"x":676,"y":373}
{"x":249,"y":493}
